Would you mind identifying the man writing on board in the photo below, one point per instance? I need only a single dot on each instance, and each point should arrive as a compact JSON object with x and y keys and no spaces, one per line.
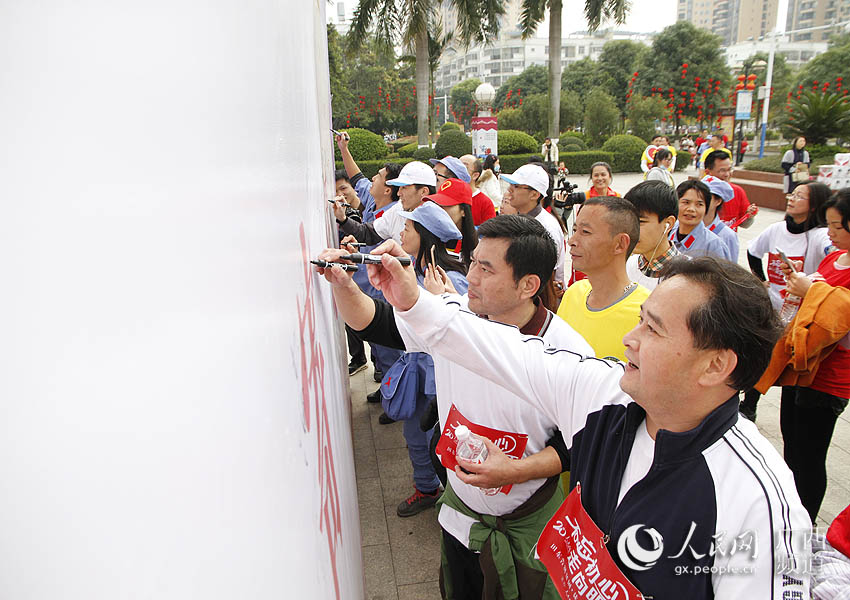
{"x":656,"y":442}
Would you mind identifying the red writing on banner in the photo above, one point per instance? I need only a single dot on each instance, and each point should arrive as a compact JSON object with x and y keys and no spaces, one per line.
{"x":316,"y":415}
{"x":573,"y":550}
{"x":774,"y":272}
{"x":512,"y":444}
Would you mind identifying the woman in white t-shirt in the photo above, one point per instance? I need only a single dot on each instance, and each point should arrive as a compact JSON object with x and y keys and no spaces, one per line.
{"x":801,"y":236}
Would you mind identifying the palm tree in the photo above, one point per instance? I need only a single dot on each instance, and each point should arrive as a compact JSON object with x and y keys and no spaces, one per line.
{"x":407,"y":21}
{"x":533,"y":12}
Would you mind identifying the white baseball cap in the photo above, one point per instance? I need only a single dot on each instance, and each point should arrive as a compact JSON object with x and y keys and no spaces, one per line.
{"x":415,"y":173}
{"x":531,"y":175}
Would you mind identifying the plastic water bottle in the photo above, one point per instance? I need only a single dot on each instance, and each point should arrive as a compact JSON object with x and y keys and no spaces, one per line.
{"x":472,"y":448}
{"x":790,"y":306}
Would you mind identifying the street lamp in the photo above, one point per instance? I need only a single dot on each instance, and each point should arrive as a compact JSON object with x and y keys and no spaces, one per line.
{"x":744,"y":100}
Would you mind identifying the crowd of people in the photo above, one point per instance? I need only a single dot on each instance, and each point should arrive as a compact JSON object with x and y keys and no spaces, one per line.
{"x":631,"y":371}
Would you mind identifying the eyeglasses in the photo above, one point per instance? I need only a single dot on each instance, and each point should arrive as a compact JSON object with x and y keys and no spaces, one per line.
{"x":441,"y":175}
{"x":522,"y":187}
{"x":796,"y":195}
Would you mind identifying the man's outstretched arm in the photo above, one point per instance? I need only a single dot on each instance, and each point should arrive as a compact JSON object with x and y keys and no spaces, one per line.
{"x":563,"y":385}
{"x":373,"y":320}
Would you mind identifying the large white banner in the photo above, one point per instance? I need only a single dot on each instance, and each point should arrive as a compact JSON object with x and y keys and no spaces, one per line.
{"x":174,"y":412}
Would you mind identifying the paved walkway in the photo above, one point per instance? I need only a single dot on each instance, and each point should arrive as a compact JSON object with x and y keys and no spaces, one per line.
{"x":401,"y":557}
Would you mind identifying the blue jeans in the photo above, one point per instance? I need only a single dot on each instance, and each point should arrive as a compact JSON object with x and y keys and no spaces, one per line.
{"x":418,"y":441}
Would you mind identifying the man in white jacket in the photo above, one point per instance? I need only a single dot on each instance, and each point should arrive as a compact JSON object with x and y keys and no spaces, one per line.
{"x":657,"y":442}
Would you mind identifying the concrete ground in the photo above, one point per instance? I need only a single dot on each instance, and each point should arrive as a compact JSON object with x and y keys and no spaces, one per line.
{"x":401,"y":557}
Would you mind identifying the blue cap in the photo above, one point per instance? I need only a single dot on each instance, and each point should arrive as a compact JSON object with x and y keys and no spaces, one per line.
{"x":719,"y":187}
{"x":436,"y":220}
{"x":455,"y":166}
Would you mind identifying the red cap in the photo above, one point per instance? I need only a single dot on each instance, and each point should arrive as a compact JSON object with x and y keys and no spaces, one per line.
{"x":451,"y":193}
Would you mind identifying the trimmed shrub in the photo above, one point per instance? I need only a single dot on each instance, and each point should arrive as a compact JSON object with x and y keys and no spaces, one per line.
{"x":769,"y":164}
{"x":571,"y":139}
{"x":424,"y":153}
{"x":452,"y":143}
{"x":515,"y":142}
{"x":407,"y":150}
{"x":683,"y":159}
{"x":577,"y":162}
{"x":511,"y":162}
{"x":370,"y":168}
{"x":627,"y":151}
{"x":576,"y":134}
{"x":771,"y":134}
{"x":448,"y":125}
{"x":396,"y":144}
{"x":364,"y":145}
{"x":570,"y":148}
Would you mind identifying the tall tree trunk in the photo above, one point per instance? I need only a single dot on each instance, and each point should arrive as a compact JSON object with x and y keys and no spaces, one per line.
{"x":422,"y":87}
{"x":432,"y":114}
{"x":554,"y":68}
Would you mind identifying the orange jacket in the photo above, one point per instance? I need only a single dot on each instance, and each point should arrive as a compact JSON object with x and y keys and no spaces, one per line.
{"x":823,"y":319}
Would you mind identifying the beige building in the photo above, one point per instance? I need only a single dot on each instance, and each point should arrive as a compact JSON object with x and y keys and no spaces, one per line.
{"x":815,"y":13}
{"x":755,"y":19}
{"x":740,"y":20}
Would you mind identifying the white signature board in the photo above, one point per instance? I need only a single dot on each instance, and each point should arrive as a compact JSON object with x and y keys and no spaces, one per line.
{"x":173,"y":405}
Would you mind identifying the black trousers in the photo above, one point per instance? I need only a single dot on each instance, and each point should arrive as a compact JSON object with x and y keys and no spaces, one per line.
{"x":464,"y":570}
{"x":807,"y":419}
{"x":355,"y":346}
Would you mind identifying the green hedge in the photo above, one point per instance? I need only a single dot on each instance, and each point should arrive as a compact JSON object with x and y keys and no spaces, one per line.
{"x":571,"y":139}
{"x":769,"y":164}
{"x":407,"y":150}
{"x":627,"y":150}
{"x":396,"y":144}
{"x":424,"y":153}
{"x":512,"y":141}
{"x":577,"y":162}
{"x":448,"y":125}
{"x":370,"y":167}
{"x":453,"y":143}
{"x":364,"y":145}
{"x":571,"y":148}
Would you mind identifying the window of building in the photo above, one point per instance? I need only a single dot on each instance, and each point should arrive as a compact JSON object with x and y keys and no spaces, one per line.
{"x":570,"y":51}
{"x":581,"y":49}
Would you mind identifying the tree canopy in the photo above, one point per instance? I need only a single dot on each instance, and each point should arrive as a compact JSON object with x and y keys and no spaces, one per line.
{"x":534,"y":80}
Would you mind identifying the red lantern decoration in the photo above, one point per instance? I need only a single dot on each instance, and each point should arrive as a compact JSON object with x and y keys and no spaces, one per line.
{"x":684,"y":65}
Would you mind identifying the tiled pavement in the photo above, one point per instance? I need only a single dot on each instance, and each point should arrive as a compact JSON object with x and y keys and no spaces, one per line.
{"x":401,"y":556}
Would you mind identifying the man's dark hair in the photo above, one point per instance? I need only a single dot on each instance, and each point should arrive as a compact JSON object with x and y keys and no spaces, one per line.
{"x":701,"y":188}
{"x":656,"y":136}
{"x":622,"y":217}
{"x":714,"y":157}
{"x":393,"y":171}
{"x":431,"y":189}
{"x":719,"y":136}
{"x":840,"y":201}
{"x":737,"y":316}
{"x":531,"y":250}
{"x":476,"y":167}
{"x":340,"y":174}
{"x":654,"y":198}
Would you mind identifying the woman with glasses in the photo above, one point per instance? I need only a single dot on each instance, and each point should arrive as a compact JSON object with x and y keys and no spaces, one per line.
{"x":801,"y":236}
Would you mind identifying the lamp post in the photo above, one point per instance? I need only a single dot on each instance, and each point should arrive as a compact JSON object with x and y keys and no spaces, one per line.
{"x":485,"y":125}
{"x":744,"y":100}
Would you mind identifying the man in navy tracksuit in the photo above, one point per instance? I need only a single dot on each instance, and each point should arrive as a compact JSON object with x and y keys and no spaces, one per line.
{"x":693,"y":501}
